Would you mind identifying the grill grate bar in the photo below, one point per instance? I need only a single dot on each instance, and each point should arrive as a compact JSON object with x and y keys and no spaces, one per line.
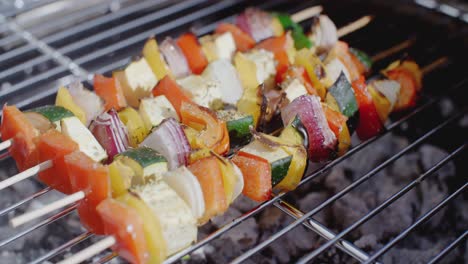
{"x":60,"y":21}
{"x":63,"y":247}
{"x":25,"y":200}
{"x":420,"y":221}
{"x":323,"y":231}
{"x":44,"y":48}
{"x":121,"y":44}
{"x":173,"y":9}
{"x":158,"y":30}
{"x":385,"y":204}
{"x":449,"y":248}
{"x":39,"y":225}
{"x":82,"y":27}
{"x":340,"y":194}
{"x":306,"y":179}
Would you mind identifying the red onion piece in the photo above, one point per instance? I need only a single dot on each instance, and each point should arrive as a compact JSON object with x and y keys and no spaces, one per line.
{"x":169,"y":139}
{"x":174,"y":58}
{"x":255,"y":22}
{"x":111,"y":133}
{"x":322,"y":140}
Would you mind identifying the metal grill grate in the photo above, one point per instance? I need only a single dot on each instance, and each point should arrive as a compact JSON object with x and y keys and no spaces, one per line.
{"x":36,"y":59}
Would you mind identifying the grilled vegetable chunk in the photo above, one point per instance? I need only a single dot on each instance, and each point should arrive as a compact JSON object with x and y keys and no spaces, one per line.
{"x":209,"y":174}
{"x":321,"y":140}
{"x":53,"y":113}
{"x":145,"y":162}
{"x":278,"y":159}
{"x":238,"y":126}
{"x":342,"y":93}
{"x":125,"y":224}
{"x":186,"y":185}
{"x":15,"y":125}
{"x":177,"y":222}
{"x":157,"y":248}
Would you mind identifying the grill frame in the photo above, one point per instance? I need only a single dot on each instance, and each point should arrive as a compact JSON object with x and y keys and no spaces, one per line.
{"x":72,"y":65}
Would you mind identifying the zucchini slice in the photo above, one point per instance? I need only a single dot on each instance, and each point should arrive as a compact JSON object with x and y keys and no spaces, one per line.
{"x":145,"y":162}
{"x":279,"y":159}
{"x":342,"y":92}
{"x":53,"y":113}
{"x":238,"y":126}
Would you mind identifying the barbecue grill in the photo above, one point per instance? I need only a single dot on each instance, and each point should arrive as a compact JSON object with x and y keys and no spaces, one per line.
{"x":45,"y":44}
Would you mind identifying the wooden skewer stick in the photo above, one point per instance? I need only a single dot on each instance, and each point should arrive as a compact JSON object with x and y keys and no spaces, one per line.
{"x":353,"y":26}
{"x":26,"y":174}
{"x":434,"y":65}
{"x":306,"y":13}
{"x":90,"y":251}
{"x":5,"y":144}
{"x":390,"y":51}
{"x":29,"y":216}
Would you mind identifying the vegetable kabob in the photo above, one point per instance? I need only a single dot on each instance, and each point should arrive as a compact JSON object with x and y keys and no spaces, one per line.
{"x":206,"y":195}
{"x":86,"y":106}
{"x":264,"y":147}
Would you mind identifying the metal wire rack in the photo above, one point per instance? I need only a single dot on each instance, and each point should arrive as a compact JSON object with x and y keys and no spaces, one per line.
{"x":36,"y":58}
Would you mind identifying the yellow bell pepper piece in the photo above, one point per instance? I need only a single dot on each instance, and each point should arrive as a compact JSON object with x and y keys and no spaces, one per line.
{"x":247,"y":71}
{"x":250,"y":103}
{"x":135,"y":126}
{"x":309,"y":61}
{"x":120,"y":178}
{"x":229,"y":179}
{"x":155,"y":59}
{"x":64,"y":99}
{"x":381,"y":103}
{"x":344,"y":140}
{"x":156,"y":244}
{"x":291,"y":142}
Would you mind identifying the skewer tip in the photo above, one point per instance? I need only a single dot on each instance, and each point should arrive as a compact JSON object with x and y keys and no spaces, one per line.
{"x":306,"y":13}
{"x":90,"y":251}
{"x":29,"y":216}
{"x":353,"y":26}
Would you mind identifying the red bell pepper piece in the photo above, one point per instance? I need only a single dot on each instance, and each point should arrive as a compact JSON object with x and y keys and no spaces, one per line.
{"x":169,"y":88}
{"x":54,"y":146}
{"x":124,"y":223}
{"x":257,"y":176}
{"x":110,"y":91}
{"x":16,"y":126}
{"x":193,"y":52}
{"x":93,"y":179}
{"x":369,"y":123}
{"x":408,"y":90}
{"x":209,"y":174}
{"x":244,"y":42}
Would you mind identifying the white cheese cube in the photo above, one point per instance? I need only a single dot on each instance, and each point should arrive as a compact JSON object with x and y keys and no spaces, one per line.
{"x":178,"y":224}
{"x":73,"y":128}
{"x":154,"y":110}
{"x":203,"y":91}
